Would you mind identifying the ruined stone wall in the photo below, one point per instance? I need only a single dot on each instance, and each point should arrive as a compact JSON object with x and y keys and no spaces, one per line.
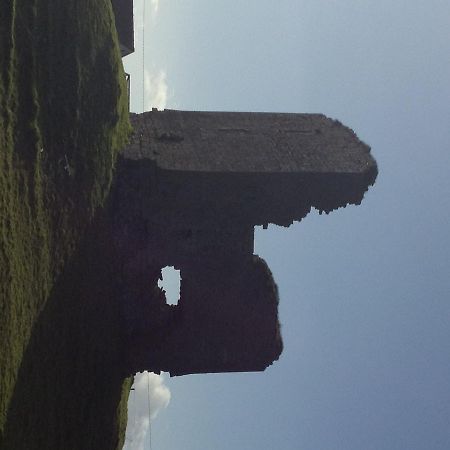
{"x":273,"y":166}
{"x":247,"y":142}
{"x":189,"y":190}
{"x":227,"y":316}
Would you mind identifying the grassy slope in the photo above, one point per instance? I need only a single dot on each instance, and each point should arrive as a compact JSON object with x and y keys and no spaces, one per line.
{"x":70,"y":385}
{"x":62,"y":119}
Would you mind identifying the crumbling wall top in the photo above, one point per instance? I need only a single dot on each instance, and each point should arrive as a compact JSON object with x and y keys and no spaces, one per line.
{"x":248,"y":142}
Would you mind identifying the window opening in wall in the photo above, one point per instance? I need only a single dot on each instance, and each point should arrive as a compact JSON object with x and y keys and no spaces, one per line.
{"x":170,"y":283}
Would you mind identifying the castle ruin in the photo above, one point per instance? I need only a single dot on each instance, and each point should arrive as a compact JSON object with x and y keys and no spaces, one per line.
{"x":190,"y":188}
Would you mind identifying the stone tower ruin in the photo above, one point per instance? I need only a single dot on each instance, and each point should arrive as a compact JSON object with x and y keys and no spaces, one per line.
{"x":190,"y":188}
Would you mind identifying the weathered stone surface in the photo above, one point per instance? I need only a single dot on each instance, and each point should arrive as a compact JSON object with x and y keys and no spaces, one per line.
{"x":248,"y":142}
{"x":189,"y":190}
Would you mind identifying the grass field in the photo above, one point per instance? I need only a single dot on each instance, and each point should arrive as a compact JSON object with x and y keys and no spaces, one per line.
{"x":63,"y":117}
{"x":70,"y":391}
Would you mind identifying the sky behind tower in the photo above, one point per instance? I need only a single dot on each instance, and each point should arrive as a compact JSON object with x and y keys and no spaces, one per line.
{"x":364,"y":291}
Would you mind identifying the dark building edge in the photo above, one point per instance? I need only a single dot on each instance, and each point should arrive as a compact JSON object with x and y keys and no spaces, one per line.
{"x":123,"y":12}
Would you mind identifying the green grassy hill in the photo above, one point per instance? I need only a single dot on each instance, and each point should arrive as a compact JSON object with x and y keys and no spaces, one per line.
{"x":63,"y":117}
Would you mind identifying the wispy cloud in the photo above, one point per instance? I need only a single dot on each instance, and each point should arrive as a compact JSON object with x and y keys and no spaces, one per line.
{"x":155,"y":6}
{"x":141,"y":7}
{"x":156,"y":90}
{"x":149,"y":388}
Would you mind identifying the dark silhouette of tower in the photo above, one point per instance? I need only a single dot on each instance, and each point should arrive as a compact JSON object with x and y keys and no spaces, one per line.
{"x":189,"y":190}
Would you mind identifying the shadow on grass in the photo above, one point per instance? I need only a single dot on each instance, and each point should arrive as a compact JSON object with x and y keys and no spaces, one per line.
{"x":71,"y":390}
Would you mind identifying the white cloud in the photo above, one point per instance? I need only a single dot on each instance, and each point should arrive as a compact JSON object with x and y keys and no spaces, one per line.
{"x":141,"y":9}
{"x":156,"y":90}
{"x":155,"y":6}
{"x":146,"y":386}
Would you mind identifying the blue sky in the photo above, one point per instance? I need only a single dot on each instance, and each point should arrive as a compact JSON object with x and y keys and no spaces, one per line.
{"x":365,"y":291}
